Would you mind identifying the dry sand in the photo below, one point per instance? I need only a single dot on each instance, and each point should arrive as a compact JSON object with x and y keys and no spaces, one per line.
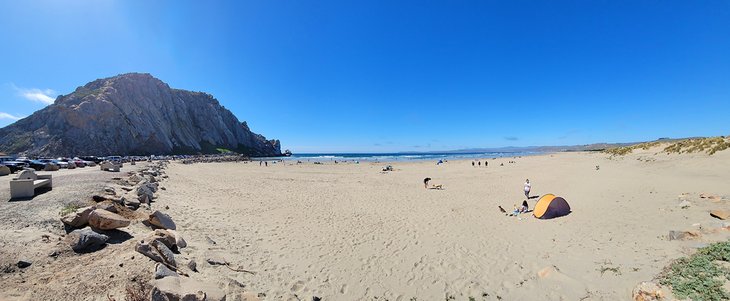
{"x":351,"y":232}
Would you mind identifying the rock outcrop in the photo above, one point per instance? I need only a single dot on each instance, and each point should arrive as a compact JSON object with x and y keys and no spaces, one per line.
{"x":133,"y":114}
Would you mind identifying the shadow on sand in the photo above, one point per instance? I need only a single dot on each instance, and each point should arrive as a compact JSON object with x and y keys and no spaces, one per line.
{"x":38,"y":191}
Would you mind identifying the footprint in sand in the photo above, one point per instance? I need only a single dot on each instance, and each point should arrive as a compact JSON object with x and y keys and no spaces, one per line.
{"x":297,"y":286}
{"x":343,"y":290}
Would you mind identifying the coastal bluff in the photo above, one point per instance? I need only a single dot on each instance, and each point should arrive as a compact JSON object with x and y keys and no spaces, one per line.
{"x":133,"y":114}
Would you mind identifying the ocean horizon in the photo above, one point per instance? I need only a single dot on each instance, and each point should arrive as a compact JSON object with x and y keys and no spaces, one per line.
{"x":401,"y":156}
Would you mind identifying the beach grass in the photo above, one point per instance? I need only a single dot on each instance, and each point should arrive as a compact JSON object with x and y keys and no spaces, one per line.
{"x":69,"y":208}
{"x":709,"y":145}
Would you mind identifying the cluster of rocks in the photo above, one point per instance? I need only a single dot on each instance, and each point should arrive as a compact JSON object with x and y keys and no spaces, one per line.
{"x":95,"y":225}
{"x":91,"y":223}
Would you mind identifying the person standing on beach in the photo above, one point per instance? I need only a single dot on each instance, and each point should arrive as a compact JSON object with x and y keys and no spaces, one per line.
{"x":266,"y":163}
{"x":261,"y":163}
{"x":527,"y":188}
{"x":472,"y":163}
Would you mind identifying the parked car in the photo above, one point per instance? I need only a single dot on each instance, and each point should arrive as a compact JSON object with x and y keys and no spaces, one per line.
{"x":94,"y":159}
{"x":15,"y":165}
{"x":78,"y":162}
{"x":117,"y":160}
{"x":34,"y":164}
{"x":60,"y":164}
{"x":6,"y":158}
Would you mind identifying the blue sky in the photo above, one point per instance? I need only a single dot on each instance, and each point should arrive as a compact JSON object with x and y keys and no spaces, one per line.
{"x":379,"y":76}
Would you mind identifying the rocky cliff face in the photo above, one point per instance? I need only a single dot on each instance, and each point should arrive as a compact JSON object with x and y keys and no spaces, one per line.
{"x":133,"y":114}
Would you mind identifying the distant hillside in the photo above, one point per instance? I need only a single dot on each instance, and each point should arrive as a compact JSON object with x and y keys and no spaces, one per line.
{"x":564,"y":148}
{"x":708,"y":145}
{"x":133,"y":114}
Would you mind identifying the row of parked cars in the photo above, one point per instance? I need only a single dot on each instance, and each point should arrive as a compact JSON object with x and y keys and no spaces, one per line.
{"x":20,"y":163}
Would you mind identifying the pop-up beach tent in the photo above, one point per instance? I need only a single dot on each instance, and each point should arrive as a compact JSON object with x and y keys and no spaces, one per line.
{"x":549,"y":206}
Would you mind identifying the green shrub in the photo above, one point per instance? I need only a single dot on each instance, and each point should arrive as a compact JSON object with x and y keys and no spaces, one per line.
{"x":700,"y":277}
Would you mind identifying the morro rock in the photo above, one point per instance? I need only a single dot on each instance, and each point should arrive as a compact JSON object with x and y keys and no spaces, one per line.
{"x":133,"y":114}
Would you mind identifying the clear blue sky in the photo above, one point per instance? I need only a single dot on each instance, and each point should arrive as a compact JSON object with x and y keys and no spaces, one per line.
{"x":377,"y":76}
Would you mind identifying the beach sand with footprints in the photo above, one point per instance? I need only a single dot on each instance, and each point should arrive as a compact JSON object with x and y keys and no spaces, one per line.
{"x":353,"y":232}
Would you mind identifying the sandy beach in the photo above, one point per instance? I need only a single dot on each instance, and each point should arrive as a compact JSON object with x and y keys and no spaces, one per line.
{"x":352,"y":232}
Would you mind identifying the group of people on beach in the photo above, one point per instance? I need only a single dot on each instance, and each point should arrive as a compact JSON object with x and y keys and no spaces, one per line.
{"x":524,"y":208}
{"x":479,"y":163}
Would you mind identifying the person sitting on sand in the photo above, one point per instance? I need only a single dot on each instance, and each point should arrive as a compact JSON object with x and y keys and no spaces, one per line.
{"x":524,"y":207}
{"x":517,"y":210}
{"x":425,"y":184}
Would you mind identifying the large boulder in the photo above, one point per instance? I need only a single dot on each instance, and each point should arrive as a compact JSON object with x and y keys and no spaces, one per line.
{"x":110,"y":190}
{"x":163,"y":236}
{"x":162,"y":220}
{"x":51,"y":167}
{"x":147,"y":189}
{"x":105,"y":220}
{"x":156,"y":251}
{"x":4,"y":170}
{"x":183,"y":288}
{"x":119,"y":199}
{"x":162,"y":271}
{"x":109,"y":166}
{"x":134,"y":179}
{"x":79,"y":218}
{"x":86,"y":240}
{"x":179,"y":240}
{"x":132,"y":201}
{"x":107,"y":205}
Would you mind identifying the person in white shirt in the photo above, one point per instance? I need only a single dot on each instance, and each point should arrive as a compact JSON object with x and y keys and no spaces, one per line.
{"x":527,"y":188}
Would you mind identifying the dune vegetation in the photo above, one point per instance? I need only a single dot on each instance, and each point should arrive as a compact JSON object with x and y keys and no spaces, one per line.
{"x":709,"y":145}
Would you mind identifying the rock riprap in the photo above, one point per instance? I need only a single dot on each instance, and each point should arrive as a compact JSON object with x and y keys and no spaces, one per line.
{"x":86,"y":240}
{"x":105,"y":220}
{"x":79,"y":218}
{"x":162,"y":220}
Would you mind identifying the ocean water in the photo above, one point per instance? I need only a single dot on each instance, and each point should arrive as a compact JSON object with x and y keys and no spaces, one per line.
{"x":395,"y":157}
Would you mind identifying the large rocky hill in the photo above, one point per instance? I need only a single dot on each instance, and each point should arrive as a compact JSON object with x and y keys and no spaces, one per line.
{"x":132,"y":114}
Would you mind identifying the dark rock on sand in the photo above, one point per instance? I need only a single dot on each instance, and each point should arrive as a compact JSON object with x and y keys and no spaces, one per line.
{"x":162,"y":220}
{"x":86,"y":240}
{"x":24,"y":263}
{"x":156,"y":251}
